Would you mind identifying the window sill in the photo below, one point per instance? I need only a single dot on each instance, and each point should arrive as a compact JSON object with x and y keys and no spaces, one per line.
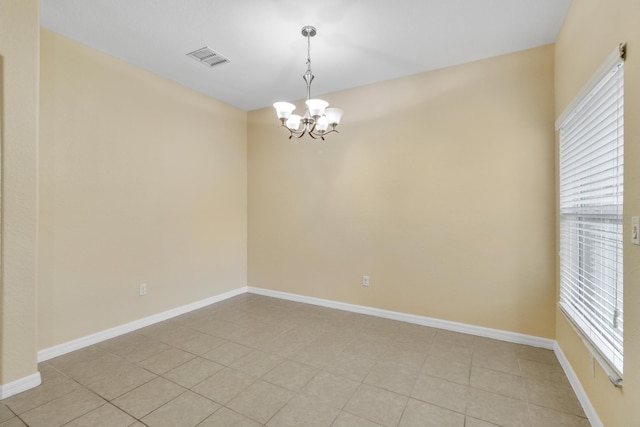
{"x":612,"y":373}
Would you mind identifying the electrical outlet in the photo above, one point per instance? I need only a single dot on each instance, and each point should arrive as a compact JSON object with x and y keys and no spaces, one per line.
{"x":143,"y":289}
{"x":365,"y":280}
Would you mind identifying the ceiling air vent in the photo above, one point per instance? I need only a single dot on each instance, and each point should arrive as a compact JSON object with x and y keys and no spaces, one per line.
{"x":208,"y":57}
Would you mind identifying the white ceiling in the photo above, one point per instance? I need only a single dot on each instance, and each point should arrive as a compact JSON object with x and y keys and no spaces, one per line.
{"x":358,"y":42}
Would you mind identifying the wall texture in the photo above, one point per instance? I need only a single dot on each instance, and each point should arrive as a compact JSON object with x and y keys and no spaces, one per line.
{"x":142,"y":181}
{"x":19,"y":44}
{"x":592,"y":30}
{"x":440,"y":187}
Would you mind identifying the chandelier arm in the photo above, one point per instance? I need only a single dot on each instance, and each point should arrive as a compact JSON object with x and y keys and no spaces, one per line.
{"x":298,"y":133}
{"x":317,"y":134}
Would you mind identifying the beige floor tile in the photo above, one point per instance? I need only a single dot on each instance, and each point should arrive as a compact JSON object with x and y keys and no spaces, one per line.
{"x":367,"y":347}
{"x":410,"y":359}
{"x":502,"y":362}
{"x":54,"y":385}
{"x":65,"y":362}
{"x":193,"y":372}
{"x":544,"y":372}
{"x":134,"y":347}
{"x":415,"y":345}
{"x":220,"y":328}
{"x":187,"y":338}
{"x":90,"y":365}
{"x":304,"y":411}
{"x":454,"y":338}
{"x":350,"y":366}
{"x":256,"y":336}
{"x":335,"y":339}
{"x":159,"y":330}
{"x":63,"y":409}
{"x":186,"y":410}
{"x":545,"y":417}
{"x":291,"y":375}
{"x":535,"y":353}
{"x":148,"y":397}
{"x":199,"y":343}
{"x":420,"y":414}
{"x":450,"y":352}
{"x":113,"y":345}
{"x":499,"y":354}
{"x":498,"y":382}
{"x":257,"y":363}
{"x":225,"y":417}
{"x":227,"y":353}
{"x":416,"y":332}
{"x":553,"y":395}
{"x":441,"y":392}
{"x":446,"y":369}
{"x":318,"y":355}
{"x":330,"y":389}
{"x":392,"y":377}
{"x":105,"y":416}
{"x":474,"y":422}
{"x":377,"y":405}
{"x":497,"y":409}
{"x":493,"y":345}
{"x":165,"y":361}
{"x":5,"y":413}
{"x":224,"y":385}
{"x":381,"y":326}
{"x":260,"y":401}
{"x":347,"y":420}
{"x":13,"y":422}
{"x":289,"y":343}
{"x":120,"y":379}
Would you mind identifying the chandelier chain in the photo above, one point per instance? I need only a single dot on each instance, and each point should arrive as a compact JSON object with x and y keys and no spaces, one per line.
{"x":309,"y":52}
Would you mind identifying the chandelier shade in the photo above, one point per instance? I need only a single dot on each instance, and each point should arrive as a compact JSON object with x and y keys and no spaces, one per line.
{"x":284,"y":109}
{"x":318,"y":120}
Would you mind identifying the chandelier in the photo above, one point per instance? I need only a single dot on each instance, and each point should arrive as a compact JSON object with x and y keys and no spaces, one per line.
{"x":318,"y":120}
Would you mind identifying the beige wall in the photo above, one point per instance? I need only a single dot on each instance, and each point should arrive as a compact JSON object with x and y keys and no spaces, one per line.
{"x":19,"y":43}
{"x":142,"y":181}
{"x":592,"y":30}
{"x":440,"y":187}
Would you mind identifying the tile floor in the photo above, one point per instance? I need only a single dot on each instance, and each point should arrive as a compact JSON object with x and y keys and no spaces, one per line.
{"x":253,"y":360}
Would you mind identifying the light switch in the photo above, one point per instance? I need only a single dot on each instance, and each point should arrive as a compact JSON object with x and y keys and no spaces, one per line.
{"x":635,"y":230}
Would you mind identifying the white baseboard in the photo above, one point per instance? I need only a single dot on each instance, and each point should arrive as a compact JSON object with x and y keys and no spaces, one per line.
{"x":412,"y":318}
{"x":64,"y":348}
{"x":20,"y":385}
{"x":588,"y":408}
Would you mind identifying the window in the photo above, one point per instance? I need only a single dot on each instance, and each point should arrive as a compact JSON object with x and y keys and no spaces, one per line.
{"x":591,"y":160}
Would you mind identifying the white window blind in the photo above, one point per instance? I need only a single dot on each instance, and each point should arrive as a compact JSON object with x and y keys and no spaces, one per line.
{"x":591,"y":195}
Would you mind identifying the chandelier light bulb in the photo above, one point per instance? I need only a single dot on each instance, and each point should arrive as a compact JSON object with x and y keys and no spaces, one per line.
{"x":318,"y":120}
